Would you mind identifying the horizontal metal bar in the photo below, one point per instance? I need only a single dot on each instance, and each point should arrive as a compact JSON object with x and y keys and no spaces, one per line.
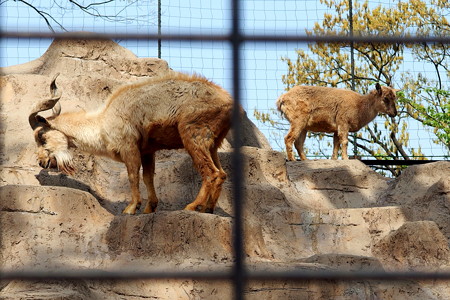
{"x":112,"y":36}
{"x":295,"y":275}
{"x":396,"y":162}
{"x":91,"y":274}
{"x":299,"y":275}
{"x":230,"y":37}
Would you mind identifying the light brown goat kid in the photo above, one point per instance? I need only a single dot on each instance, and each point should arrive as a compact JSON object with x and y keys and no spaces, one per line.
{"x":168,"y":112}
{"x":331,"y":110}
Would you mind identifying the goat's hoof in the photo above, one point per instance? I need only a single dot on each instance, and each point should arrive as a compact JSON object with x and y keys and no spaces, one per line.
{"x":191,"y":207}
{"x":290,"y":157}
{"x":129,"y":210}
{"x":149,"y":210}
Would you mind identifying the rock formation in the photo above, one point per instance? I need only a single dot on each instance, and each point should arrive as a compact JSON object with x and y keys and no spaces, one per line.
{"x":313,"y":215}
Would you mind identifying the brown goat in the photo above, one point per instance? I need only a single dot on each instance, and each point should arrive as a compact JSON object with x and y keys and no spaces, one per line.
{"x":331,"y":110}
{"x":167,"y":112}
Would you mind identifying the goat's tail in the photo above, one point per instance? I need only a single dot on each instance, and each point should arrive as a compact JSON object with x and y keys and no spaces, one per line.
{"x":280,"y":103}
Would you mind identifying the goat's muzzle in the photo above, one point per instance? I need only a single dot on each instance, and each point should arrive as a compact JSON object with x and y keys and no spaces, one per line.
{"x":393,"y":114}
{"x":48,"y":163}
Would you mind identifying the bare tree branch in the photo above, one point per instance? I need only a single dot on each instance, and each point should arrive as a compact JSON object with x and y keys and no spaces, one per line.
{"x":43,"y":14}
{"x":399,"y":146}
{"x":91,"y":4}
{"x":90,"y":9}
{"x":382,"y":145}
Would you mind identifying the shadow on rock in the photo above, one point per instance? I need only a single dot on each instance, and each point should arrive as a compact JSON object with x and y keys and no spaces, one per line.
{"x":45,"y":178}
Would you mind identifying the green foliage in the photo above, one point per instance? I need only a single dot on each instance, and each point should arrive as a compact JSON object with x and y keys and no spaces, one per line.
{"x":432,"y":114}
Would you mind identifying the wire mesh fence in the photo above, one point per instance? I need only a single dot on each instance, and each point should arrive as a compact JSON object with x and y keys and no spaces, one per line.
{"x":244,"y":47}
{"x":264,"y":64}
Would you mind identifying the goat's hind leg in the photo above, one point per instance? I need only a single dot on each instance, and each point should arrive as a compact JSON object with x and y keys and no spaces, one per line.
{"x":299,"y":143}
{"x":148,"y":165}
{"x":340,"y":140}
{"x":211,"y":181}
{"x":218,"y":183}
{"x":297,"y":126}
{"x":336,"y":146}
{"x":343,"y":137}
{"x":198,"y":143}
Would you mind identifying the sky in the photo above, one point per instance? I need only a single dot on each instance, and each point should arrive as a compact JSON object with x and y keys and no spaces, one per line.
{"x":262,"y":64}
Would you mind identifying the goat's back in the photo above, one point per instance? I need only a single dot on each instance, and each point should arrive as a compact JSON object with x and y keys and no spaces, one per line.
{"x":316,"y":94}
{"x":316,"y":97}
{"x":320,"y":106}
{"x":167,"y":97}
{"x":159,"y":113}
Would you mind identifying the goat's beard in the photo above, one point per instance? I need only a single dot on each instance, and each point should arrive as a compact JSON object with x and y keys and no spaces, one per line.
{"x":64,"y":161}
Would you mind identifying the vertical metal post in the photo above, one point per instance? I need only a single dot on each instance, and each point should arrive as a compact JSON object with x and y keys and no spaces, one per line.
{"x":239,"y":276}
{"x":352,"y":64}
{"x":352,"y":48}
{"x":159,"y":28}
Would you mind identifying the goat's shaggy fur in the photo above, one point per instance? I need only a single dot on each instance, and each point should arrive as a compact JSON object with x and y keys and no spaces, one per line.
{"x":167,"y":112}
{"x":331,"y":110}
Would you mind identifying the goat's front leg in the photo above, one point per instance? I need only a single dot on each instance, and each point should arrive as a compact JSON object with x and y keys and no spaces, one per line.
{"x":133,"y":164}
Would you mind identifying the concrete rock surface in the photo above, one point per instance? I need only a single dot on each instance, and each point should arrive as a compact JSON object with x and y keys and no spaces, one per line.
{"x":414,"y":246}
{"x":299,"y":216}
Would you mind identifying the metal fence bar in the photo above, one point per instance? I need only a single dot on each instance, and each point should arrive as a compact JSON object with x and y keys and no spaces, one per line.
{"x":352,"y":65}
{"x":289,"y":275}
{"x":340,"y":39}
{"x":159,"y":29}
{"x":302,"y":275}
{"x":238,"y":275}
{"x":123,"y":274}
{"x":396,"y":162}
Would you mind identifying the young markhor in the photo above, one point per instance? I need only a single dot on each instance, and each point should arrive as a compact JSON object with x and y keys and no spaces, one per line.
{"x":332,"y":110}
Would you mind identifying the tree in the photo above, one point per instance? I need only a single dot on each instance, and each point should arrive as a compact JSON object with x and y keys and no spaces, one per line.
{"x":428,"y":100}
{"x":329,"y":65}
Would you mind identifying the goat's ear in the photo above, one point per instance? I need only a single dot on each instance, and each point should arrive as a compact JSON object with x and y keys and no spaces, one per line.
{"x":378,"y":87}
